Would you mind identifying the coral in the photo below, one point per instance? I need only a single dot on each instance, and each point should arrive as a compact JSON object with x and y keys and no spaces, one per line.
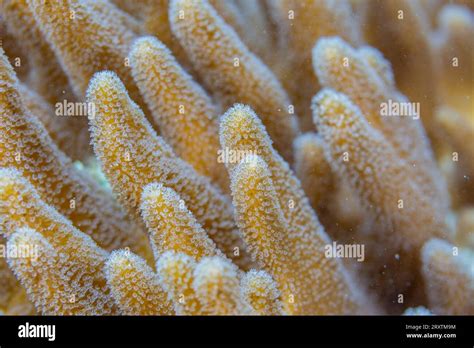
{"x":59,"y":284}
{"x":359,"y":153}
{"x":176,"y":272}
{"x":280,"y":228}
{"x":449,"y":276}
{"x":400,"y":30}
{"x":230,"y":70}
{"x":86,"y":36}
{"x":132,"y":156}
{"x":71,"y":135}
{"x":455,"y":128}
{"x":180,"y":107}
{"x":217,"y":287}
{"x":153,"y":17}
{"x":134,"y":286}
{"x":13,"y":298}
{"x":454,"y":53}
{"x":313,"y":170}
{"x":172,"y":226}
{"x":26,"y":146}
{"x":199,"y":195}
{"x":22,"y":26}
{"x":69,"y":261}
{"x":261,"y":292}
{"x":302,"y":23}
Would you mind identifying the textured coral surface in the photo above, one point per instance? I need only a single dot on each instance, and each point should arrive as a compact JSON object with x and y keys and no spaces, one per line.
{"x":236,"y":157}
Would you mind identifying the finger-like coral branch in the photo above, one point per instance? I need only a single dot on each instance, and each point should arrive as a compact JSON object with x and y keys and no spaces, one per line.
{"x":26,"y":146}
{"x":217,"y":287}
{"x":86,"y":40}
{"x":344,"y":69}
{"x":62,"y":279}
{"x":180,"y":107}
{"x":361,"y":155}
{"x":176,"y":275}
{"x":134,"y":285}
{"x":261,"y":292}
{"x":232,"y":72}
{"x":132,"y":156}
{"x":449,"y":278}
{"x":172,"y":226}
{"x":281,"y":250}
{"x":302,"y":23}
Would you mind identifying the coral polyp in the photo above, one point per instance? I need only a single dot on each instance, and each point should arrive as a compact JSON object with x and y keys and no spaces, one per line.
{"x":236,"y":157}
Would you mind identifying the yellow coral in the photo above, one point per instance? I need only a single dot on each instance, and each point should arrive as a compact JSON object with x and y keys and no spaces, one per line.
{"x":26,"y":146}
{"x":278,"y":225}
{"x":261,"y":292}
{"x":230,"y":70}
{"x":302,"y":23}
{"x":449,"y":277}
{"x":86,"y":40}
{"x":405,"y":217}
{"x":176,"y":272}
{"x":217,"y":287}
{"x":132,"y":156}
{"x":368,"y":85}
{"x":454,"y":56}
{"x":180,"y":107}
{"x":313,"y":170}
{"x":70,"y":134}
{"x":373,"y":180}
{"x":21,"y":24}
{"x":172,"y":226}
{"x":58,"y":284}
{"x":134,"y":285}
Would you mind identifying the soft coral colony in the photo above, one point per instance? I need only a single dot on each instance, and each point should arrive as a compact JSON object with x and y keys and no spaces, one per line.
{"x":161,"y":226}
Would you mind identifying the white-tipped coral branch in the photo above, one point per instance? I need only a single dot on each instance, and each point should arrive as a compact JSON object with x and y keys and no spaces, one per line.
{"x":86,"y":40}
{"x":261,"y":292}
{"x":78,"y":259}
{"x":235,"y":206}
{"x":217,"y":287}
{"x":454,"y":55}
{"x":72,"y":285}
{"x":230,"y":70}
{"x":176,"y":272}
{"x":134,"y":286}
{"x":132,"y":156}
{"x":449,"y":278}
{"x":280,"y":228}
{"x":172,"y":226}
{"x":180,"y":107}
{"x":367,"y":84}
{"x":26,"y":146}
{"x":406,"y":217}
